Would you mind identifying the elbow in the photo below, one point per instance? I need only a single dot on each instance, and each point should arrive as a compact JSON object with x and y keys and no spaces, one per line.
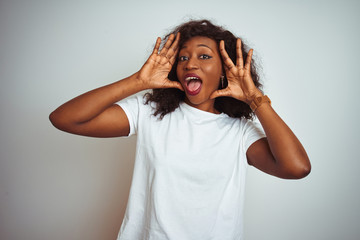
{"x":63,"y":122}
{"x":299,"y":166}
{"x":307,"y":170}
{"x":300,"y":171}
{"x":303,"y":172}
{"x":52,"y":118}
{"x":57,"y":120}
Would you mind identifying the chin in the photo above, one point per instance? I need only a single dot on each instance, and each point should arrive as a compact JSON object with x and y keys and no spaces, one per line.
{"x":198,"y":99}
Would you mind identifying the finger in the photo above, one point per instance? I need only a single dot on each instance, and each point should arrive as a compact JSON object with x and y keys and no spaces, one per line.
{"x":157,"y":46}
{"x":227,"y":60}
{"x":239,"y":56}
{"x":173,"y":84}
{"x":173,"y":57}
{"x":173,"y":49}
{"x":220,"y":93}
{"x":175,"y":44}
{"x":179,"y":86}
{"x":248,"y":60}
{"x":167,"y":45}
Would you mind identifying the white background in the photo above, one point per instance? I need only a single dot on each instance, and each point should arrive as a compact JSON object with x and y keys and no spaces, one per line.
{"x":56,"y":186}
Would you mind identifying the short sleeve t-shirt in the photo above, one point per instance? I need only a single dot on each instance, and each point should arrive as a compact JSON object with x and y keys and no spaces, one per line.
{"x":189,"y":174}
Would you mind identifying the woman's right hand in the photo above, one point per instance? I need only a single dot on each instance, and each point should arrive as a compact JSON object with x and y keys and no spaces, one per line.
{"x":154,"y":73}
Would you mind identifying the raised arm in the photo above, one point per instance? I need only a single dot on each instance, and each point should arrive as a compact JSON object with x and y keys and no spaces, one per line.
{"x":280,"y":154}
{"x":95,"y":113}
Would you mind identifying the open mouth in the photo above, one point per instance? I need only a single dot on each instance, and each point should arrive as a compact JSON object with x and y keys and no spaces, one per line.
{"x":193,"y":84}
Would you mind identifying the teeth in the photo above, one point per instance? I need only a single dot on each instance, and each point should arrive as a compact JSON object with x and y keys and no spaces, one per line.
{"x":190,"y":78}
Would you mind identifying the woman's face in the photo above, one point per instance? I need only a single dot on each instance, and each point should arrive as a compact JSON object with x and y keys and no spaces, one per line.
{"x":199,"y":70}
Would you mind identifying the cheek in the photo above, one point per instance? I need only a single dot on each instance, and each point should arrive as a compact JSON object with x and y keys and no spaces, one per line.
{"x":178,"y":71}
{"x":214,"y":71}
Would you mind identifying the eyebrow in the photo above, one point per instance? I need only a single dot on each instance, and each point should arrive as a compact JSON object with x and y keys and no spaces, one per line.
{"x":199,"y":45}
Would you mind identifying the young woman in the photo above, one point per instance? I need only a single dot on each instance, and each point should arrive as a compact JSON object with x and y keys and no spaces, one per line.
{"x":195,"y":137}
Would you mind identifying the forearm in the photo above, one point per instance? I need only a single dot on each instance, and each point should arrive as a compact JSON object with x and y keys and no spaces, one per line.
{"x":88,"y":105}
{"x":288,"y":152}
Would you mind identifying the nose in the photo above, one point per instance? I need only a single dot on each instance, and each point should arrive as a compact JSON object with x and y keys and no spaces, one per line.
{"x":192,"y":63}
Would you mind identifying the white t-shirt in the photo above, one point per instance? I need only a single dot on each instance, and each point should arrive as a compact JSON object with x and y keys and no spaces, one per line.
{"x":189,"y":174}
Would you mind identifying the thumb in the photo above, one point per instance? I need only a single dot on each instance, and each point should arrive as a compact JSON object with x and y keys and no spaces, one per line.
{"x":174,"y":84}
{"x":219,"y":93}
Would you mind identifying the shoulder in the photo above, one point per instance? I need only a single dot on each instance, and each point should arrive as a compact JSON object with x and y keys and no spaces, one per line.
{"x":135,"y":103}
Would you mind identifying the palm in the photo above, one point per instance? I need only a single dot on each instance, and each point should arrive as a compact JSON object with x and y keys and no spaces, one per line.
{"x":240,"y":83}
{"x":155,"y":71}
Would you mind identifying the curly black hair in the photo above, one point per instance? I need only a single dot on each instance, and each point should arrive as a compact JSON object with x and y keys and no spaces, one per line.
{"x":168,"y":99}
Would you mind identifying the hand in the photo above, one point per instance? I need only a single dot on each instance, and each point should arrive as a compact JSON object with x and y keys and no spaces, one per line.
{"x":154,"y":73}
{"x":240,"y":83}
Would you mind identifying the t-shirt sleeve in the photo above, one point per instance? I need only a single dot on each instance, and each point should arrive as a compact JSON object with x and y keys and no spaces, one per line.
{"x":131,"y":107}
{"x":252,"y":132}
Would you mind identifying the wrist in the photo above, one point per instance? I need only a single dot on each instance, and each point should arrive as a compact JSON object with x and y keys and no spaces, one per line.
{"x":134,"y":84}
{"x":252,"y":97}
{"x":258,"y":101}
{"x":140,"y":82}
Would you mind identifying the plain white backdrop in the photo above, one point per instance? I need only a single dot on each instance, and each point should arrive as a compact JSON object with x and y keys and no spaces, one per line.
{"x":55,"y":185}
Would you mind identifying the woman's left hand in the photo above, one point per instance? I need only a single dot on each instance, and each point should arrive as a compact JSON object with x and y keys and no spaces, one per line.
{"x":240,"y":83}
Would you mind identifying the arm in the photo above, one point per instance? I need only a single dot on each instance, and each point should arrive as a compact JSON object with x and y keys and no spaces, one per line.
{"x":280,"y":153}
{"x":95,"y":113}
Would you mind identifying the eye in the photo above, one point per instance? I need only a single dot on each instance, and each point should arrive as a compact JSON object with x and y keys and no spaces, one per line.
{"x":183,"y":58}
{"x":205,"y":56}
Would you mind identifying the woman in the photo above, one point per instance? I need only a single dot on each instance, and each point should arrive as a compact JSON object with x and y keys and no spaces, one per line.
{"x":195,"y":136}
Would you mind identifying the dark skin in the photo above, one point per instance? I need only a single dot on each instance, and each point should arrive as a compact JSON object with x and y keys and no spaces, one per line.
{"x":95,"y":114}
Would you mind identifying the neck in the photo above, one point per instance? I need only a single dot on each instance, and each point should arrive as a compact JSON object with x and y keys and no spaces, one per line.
{"x":207,"y":106}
